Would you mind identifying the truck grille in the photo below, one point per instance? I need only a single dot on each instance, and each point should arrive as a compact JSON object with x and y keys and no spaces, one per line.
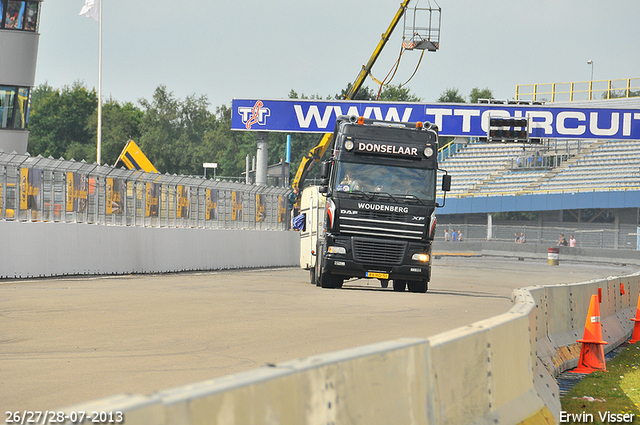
{"x":378,"y":251}
{"x":381,"y":215}
{"x":381,"y":224}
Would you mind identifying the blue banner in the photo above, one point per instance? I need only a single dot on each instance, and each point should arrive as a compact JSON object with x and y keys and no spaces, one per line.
{"x":453,"y":119}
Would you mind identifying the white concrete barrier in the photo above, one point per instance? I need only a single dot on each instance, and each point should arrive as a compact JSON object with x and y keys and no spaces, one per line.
{"x":57,"y":249}
{"x":499,"y":370}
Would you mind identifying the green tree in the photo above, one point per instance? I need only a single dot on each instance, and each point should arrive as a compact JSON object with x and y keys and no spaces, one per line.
{"x":160,"y":130}
{"x":120,"y":123}
{"x":451,"y":96}
{"x":226,"y":147}
{"x":390,"y":92}
{"x":476,"y":94}
{"x":364,"y":93}
{"x":61,"y":122}
{"x":614,"y":94}
{"x":172,"y":130}
{"x":398,"y":94}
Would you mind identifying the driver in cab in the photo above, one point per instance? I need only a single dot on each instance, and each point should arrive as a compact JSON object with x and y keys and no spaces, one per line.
{"x":348,"y":184}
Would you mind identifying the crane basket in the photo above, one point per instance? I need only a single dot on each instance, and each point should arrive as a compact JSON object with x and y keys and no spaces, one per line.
{"x":422,"y":27}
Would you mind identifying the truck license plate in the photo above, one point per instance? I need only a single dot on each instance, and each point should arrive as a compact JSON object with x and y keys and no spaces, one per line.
{"x":378,"y":275}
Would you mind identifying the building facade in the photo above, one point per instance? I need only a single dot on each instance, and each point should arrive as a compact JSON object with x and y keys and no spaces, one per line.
{"x":19,"y":37}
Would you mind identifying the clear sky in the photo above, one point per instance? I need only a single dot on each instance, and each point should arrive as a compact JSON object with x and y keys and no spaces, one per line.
{"x":263,"y":49}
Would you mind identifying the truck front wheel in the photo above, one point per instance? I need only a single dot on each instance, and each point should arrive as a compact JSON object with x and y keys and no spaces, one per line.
{"x":327,"y":280}
{"x":399,"y":285}
{"x":419,"y":286}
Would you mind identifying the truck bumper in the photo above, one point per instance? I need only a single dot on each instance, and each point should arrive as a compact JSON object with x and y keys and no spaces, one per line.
{"x":349,"y":268}
{"x":349,"y":263}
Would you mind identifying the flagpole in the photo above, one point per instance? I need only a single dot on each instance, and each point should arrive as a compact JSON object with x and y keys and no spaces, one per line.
{"x":99,"y":148}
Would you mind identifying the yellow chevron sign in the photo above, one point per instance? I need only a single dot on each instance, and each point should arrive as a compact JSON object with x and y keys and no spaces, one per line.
{"x":134,"y":159}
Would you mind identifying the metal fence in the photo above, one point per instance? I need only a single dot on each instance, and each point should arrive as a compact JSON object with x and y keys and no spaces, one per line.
{"x":586,"y":236}
{"x":56,"y":190}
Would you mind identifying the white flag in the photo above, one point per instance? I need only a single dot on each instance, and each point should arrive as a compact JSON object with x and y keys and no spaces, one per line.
{"x":91,"y":9}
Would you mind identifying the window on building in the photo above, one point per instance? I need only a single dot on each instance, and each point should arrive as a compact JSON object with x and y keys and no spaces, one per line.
{"x":14,"y":107}
{"x":15,"y":15}
{"x":31,"y":16}
{"x":19,"y":14}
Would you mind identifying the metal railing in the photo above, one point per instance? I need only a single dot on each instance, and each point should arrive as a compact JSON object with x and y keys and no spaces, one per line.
{"x":579,"y":90}
{"x":56,"y":190}
{"x":449,"y":149}
{"x":587,"y":235}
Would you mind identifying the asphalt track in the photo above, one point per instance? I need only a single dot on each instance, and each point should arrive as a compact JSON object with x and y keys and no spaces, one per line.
{"x":72,"y":340}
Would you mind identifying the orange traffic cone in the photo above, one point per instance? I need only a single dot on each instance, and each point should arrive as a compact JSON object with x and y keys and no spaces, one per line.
{"x":636,"y":327}
{"x":592,"y":352}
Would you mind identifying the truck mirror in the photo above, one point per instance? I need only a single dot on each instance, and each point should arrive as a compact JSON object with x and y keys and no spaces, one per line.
{"x":446,"y":183}
{"x":324,"y":171}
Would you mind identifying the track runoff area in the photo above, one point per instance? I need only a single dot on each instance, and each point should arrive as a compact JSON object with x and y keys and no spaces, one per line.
{"x":72,"y":340}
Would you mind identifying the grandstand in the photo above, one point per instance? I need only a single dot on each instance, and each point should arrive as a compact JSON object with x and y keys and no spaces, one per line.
{"x":493,"y":169}
{"x":587,"y":187}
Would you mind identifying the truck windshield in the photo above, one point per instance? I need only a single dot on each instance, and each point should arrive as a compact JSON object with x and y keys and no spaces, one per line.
{"x":386,"y":179}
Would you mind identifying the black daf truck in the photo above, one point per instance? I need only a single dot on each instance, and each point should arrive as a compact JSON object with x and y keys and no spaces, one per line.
{"x":380,"y":189}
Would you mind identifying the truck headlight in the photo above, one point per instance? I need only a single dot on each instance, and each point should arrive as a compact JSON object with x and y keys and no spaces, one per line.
{"x":428,"y":151}
{"x":337,"y":250}
{"x":348,"y":145}
{"x":420,"y":257}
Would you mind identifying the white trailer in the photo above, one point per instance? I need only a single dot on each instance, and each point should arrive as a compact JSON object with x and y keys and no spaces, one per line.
{"x":312,"y":205}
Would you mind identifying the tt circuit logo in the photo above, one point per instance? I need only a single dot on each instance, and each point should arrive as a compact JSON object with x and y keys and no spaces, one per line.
{"x":254,"y":115}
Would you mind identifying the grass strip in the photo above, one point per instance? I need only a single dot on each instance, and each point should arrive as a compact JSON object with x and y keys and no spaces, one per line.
{"x":607,"y":397}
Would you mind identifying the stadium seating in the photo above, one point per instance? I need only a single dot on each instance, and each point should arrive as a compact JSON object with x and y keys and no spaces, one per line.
{"x":491,"y":169}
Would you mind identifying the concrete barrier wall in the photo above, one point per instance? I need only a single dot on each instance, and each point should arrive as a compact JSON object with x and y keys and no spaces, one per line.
{"x":562,"y":313}
{"x":58,"y":249}
{"x":500,"y":370}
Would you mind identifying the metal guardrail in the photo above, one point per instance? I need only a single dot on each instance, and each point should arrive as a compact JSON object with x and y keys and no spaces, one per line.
{"x":587,"y":235}
{"x":57,"y":190}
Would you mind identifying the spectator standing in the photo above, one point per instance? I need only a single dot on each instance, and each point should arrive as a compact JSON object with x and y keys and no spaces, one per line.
{"x":517,"y":238}
{"x":454,"y":235}
{"x":459,"y":235}
{"x":446,"y":235}
{"x":562,"y":241}
{"x":572,"y":242}
{"x":293,"y":200}
{"x":522,"y":239}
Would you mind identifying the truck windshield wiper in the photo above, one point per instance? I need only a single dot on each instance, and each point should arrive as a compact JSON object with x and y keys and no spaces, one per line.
{"x":387,"y":194}
{"x":416,"y":198}
{"x":367,"y":196}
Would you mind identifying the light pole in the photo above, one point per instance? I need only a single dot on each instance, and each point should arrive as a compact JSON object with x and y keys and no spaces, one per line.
{"x":590,"y":62}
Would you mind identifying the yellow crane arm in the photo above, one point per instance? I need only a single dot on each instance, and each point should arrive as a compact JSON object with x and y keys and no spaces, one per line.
{"x":310,"y":158}
{"x":317,"y":151}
